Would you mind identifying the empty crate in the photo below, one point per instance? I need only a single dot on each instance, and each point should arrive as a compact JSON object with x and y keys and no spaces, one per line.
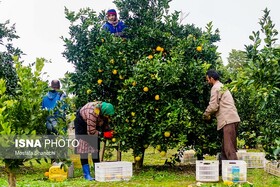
{"x":188,"y":157}
{"x":207,"y":171}
{"x":113,"y":171}
{"x":234,"y":170}
{"x":240,"y":153}
{"x":273,"y":168}
{"x":253,"y":159}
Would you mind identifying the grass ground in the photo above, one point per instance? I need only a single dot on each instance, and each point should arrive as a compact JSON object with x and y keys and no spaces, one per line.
{"x":154,"y":173}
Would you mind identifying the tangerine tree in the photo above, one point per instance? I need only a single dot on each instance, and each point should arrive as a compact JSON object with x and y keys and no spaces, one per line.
{"x":21,"y":113}
{"x":7,"y":71}
{"x":154,"y":76}
{"x":258,"y":84}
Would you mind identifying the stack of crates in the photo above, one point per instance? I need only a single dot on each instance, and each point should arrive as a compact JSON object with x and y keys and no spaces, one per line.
{"x":188,"y":157}
{"x":234,"y":170}
{"x":253,"y":159}
{"x":113,"y":171}
{"x":207,"y":170}
{"x":273,"y":167}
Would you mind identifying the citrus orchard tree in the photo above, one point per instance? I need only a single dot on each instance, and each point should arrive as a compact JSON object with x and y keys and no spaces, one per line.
{"x":155,"y":76}
{"x":258,"y":83}
{"x":21,"y":113}
{"x":21,"y":91}
{"x":245,"y":100}
{"x":7,"y":71}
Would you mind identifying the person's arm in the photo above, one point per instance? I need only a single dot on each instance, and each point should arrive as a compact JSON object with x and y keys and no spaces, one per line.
{"x":92,"y":128}
{"x":213,"y":105}
{"x":121,"y":26}
{"x":62,"y":96}
{"x":106,"y":27}
{"x":43,"y":103}
{"x":105,"y":127}
{"x":64,"y":104}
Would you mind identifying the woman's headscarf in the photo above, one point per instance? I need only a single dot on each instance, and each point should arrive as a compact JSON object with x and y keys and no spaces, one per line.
{"x":107,"y":109}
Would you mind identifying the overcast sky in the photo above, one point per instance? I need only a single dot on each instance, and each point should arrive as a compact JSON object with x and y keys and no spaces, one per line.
{"x":41,"y":23}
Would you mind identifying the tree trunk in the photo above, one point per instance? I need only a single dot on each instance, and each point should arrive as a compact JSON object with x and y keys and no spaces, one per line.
{"x":139,"y":164}
{"x":12,"y":179}
{"x":11,"y":176}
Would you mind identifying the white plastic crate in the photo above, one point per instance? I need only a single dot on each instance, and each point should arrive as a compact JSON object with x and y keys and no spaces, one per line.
{"x":234,"y":170}
{"x":207,"y":170}
{"x":253,"y":159}
{"x":188,"y":157}
{"x":273,"y":168}
{"x":113,"y":171}
{"x":240,"y":153}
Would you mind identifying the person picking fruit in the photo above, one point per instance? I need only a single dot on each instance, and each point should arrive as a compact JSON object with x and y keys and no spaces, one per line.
{"x":222,"y":105}
{"x":113,"y":25}
{"x":49,"y":102}
{"x":91,"y":124}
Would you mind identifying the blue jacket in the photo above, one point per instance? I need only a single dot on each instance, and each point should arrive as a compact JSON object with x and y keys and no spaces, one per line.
{"x":49,"y":101}
{"x":114,"y":29}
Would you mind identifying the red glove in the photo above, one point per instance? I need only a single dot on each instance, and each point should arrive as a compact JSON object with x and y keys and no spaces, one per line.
{"x":108,"y":134}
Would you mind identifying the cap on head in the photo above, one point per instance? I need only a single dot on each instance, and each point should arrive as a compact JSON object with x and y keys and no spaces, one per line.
{"x":112,"y":11}
{"x":55,"y":84}
{"x":107,"y":109}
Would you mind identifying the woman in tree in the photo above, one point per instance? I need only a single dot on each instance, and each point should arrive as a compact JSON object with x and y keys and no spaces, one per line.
{"x":113,"y":25}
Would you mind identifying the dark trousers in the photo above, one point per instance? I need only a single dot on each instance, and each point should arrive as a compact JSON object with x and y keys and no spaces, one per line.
{"x":229,"y":144}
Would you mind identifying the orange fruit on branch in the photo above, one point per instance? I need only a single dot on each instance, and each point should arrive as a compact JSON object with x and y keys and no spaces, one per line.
{"x":199,"y":48}
{"x":157,"y":97}
{"x":137,"y":158}
{"x":99,"y":81}
{"x":115,"y":71}
{"x":167,"y":134}
{"x":162,"y":153}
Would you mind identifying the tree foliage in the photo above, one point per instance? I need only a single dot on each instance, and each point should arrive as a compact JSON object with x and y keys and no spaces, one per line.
{"x":21,"y":113}
{"x":159,"y":53}
{"x":7,"y":51}
{"x":237,"y":59}
{"x":258,"y":87}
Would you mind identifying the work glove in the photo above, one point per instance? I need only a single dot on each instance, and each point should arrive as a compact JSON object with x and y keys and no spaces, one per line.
{"x":108,"y":134}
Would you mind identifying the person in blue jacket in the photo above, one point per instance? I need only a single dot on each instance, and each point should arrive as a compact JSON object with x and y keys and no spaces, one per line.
{"x":113,"y":25}
{"x":49,"y":102}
